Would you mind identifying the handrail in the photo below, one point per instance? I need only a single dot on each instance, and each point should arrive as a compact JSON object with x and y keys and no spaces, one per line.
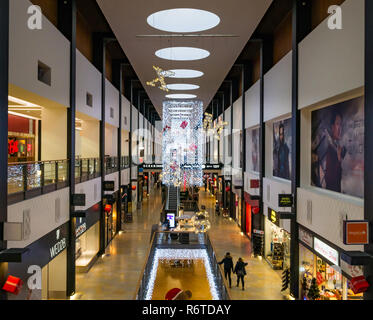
{"x":221,"y":272}
{"x":144,"y":265}
{"x":36,"y":162}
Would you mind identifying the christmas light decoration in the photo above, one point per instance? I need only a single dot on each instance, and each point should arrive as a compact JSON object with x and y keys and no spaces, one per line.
{"x":182,"y":143}
{"x":161,"y":74}
{"x":172,"y":254}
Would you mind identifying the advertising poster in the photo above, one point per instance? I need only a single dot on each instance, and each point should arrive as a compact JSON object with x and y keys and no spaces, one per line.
{"x":252,"y":153}
{"x":337,"y":162}
{"x":282,"y":149}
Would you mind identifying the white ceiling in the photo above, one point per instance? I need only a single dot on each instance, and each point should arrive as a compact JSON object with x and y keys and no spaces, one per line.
{"x":127,"y":19}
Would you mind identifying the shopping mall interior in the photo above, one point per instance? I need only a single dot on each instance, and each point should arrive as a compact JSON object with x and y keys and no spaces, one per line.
{"x":186,"y":150}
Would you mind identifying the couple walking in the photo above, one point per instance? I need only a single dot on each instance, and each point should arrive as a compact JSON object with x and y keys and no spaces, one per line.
{"x":239,"y":269}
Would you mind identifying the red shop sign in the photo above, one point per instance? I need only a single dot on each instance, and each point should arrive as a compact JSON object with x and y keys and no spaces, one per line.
{"x":12,"y":146}
{"x":13,"y":285}
{"x":254,"y":183}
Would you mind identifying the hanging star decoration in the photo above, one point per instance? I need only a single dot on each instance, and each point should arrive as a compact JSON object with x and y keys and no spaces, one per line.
{"x":207,"y":121}
{"x":184,"y":124}
{"x":219,"y":128}
{"x":161,"y":74}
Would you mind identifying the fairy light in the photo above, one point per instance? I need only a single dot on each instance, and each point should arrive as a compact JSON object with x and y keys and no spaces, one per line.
{"x":171,"y":254}
{"x":182,"y":143}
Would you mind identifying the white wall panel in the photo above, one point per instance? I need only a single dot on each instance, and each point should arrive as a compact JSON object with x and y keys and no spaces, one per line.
{"x":27,"y":47}
{"x":272,"y":187}
{"x":252,"y":105}
{"x":112,"y":177}
{"x":92,"y":191}
{"x":277,"y":89}
{"x":88,"y":80}
{"x":47,"y":213}
{"x":331,"y":62}
{"x":125,"y":176}
{"x":111,"y":102}
{"x":327,"y":214}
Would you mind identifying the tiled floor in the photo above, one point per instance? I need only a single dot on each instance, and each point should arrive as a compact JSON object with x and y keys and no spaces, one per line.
{"x":115,"y":277}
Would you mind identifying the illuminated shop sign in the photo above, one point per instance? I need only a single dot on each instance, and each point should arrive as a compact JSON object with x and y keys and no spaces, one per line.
{"x":326,"y":251}
{"x":59,"y":246}
{"x":274,"y":217}
{"x":285,"y":200}
{"x":12,"y":147}
{"x":80,"y":230}
{"x":306,"y":237}
{"x":355,"y":232}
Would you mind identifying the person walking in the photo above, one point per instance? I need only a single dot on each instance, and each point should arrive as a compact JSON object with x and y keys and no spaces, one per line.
{"x":228,"y":267}
{"x":240,"y":271}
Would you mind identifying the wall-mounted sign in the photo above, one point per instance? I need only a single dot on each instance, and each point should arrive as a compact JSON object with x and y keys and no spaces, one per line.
{"x":306,"y":237}
{"x":78,"y":199}
{"x":254,"y":183}
{"x":80,"y":230}
{"x":217,"y":166}
{"x":355,"y":232}
{"x":274,"y":217}
{"x":153,"y":166}
{"x":59,"y":245}
{"x":12,"y":147}
{"x":109,"y":185}
{"x":326,"y":251}
{"x":285,"y":200}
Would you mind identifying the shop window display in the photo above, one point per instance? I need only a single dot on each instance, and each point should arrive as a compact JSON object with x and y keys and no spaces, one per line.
{"x":331,"y":284}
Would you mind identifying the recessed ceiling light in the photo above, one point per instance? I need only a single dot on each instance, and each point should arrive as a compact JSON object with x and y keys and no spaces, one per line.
{"x":186,"y":73}
{"x":182,"y":53}
{"x":183,"y":20}
{"x":181,"y":96}
{"x":182,"y":86}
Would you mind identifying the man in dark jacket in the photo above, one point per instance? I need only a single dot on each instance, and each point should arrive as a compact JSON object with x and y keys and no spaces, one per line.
{"x":228,"y":267}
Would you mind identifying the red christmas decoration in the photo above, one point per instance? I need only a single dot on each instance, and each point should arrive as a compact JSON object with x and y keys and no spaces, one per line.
{"x":255,"y":210}
{"x":214,"y":179}
{"x":107,"y":208}
{"x":146,"y":177}
{"x":13,"y":285}
{"x":227,"y":189}
{"x":184,"y":124}
{"x":359,"y":284}
{"x":171,"y":294}
{"x":153,"y":173}
{"x":133,"y":187}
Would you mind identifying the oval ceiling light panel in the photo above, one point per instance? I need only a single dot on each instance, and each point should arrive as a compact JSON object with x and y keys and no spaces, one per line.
{"x":182,"y":53}
{"x":186,"y":73}
{"x":182,"y":86}
{"x":181,"y":96}
{"x":183,"y":20}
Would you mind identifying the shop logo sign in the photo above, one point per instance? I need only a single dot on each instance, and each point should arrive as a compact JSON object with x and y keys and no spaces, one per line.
{"x":326,"y":251}
{"x":80,"y":230}
{"x":34,"y":22}
{"x":34,"y":281}
{"x":59,"y":246}
{"x":335,"y":18}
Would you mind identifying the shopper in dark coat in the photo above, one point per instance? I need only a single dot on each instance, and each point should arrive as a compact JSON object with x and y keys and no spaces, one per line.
{"x":228,"y":267}
{"x":240,"y":271}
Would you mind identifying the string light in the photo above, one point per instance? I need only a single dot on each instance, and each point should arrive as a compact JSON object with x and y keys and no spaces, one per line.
{"x":171,"y":254}
{"x":161,"y":74}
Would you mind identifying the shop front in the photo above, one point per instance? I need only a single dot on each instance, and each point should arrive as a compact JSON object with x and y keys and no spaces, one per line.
{"x":277,"y":242}
{"x":237,"y":206}
{"x":320,"y":274}
{"x":43,"y":269}
{"x":21,"y":139}
{"x":87,"y":233}
{"x":252,"y":216}
{"x":111,"y":214}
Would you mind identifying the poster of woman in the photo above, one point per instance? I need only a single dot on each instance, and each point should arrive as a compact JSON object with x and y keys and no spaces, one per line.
{"x":252,"y":155}
{"x":337,"y":158}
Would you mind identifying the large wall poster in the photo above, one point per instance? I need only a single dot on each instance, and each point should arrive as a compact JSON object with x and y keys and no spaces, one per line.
{"x":337,"y":159}
{"x":252,"y":150}
{"x":282,"y":140}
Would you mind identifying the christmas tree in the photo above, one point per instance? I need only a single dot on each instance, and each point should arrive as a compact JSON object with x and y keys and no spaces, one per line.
{"x":304,"y":286}
{"x":314,"y":291}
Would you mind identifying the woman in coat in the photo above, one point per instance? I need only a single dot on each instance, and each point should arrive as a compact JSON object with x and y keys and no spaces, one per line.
{"x":240,"y":271}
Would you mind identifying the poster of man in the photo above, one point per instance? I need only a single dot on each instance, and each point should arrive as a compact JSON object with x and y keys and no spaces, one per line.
{"x":282,"y":149}
{"x":252,"y":155}
{"x":337,"y":159}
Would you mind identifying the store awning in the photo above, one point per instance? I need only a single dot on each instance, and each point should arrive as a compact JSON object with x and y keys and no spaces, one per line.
{"x":12,"y":255}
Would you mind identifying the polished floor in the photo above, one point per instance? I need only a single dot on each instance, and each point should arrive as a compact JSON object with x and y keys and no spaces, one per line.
{"x":190,"y":277}
{"x":116,"y":275}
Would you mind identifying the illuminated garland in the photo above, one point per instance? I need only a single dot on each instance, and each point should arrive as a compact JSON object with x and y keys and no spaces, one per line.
{"x":161,"y":74}
{"x":171,"y":254}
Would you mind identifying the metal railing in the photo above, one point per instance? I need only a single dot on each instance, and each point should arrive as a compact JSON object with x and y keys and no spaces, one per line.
{"x":111,"y":165}
{"x":28,"y":180}
{"x":196,"y":241}
{"x":125,"y":162}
